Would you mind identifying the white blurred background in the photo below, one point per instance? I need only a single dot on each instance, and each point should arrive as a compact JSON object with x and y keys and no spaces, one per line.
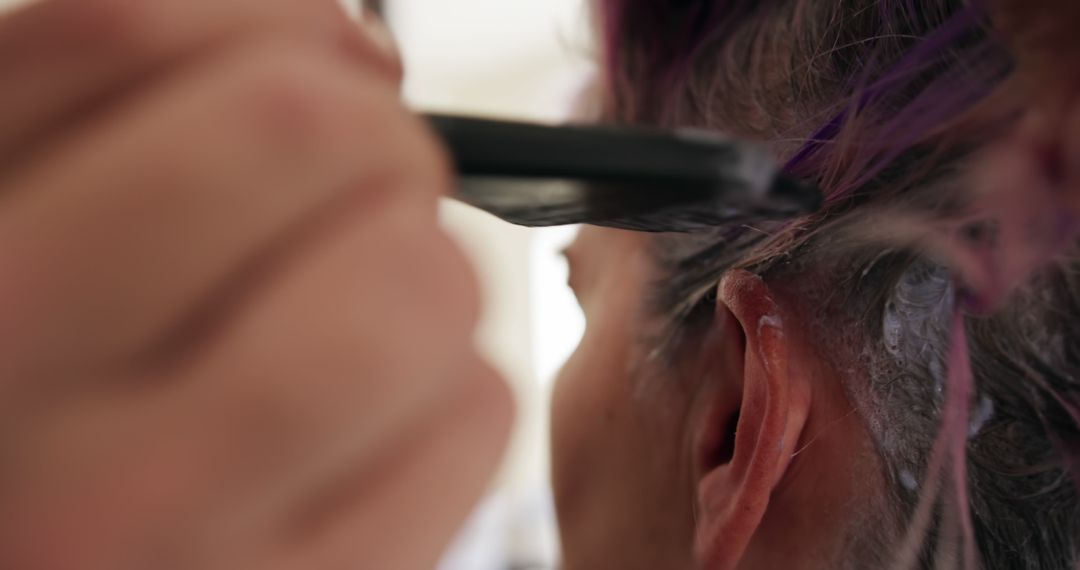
{"x":519,"y":59}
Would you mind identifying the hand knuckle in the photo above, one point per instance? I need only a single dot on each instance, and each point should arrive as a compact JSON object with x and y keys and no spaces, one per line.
{"x":484,"y":407}
{"x":290,"y":100}
{"x":310,"y":102}
{"x":456,"y":297}
{"x":412,"y":157}
{"x":494,"y":395}
{"x":434,"y":162}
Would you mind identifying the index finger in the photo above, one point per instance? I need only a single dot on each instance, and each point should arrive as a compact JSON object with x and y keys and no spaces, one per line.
{"x":154,"y":210}
{"x":60,"y":58}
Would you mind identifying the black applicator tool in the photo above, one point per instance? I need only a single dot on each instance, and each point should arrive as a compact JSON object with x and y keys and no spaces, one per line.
{"x":631,"y":178}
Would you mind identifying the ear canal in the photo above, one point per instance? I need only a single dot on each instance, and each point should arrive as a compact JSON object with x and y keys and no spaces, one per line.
{"x":723,"y":449}
{"x":716,"y":446}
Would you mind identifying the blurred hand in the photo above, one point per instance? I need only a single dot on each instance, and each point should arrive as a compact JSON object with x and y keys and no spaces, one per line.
{"x":1029,"y":184}
{"x":1056,"y":139}
{"x":231,"y":335}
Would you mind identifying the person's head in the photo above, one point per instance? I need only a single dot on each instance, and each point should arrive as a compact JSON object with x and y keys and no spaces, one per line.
{"x":798,"y":394}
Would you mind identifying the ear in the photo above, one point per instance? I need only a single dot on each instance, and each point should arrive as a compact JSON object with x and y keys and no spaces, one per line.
{"x":755,"y":411}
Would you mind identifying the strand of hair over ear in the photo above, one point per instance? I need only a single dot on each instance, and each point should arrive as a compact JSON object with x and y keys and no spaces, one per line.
{"x":1026,"y":215}
{"x":1033,"y":213}
{"x":949,"y":450}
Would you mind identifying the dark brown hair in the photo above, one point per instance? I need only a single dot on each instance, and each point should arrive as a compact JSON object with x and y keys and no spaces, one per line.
{"x":963,"y":362}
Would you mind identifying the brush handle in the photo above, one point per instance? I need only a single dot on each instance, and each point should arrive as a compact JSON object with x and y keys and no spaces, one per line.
{"x":626,"y":177}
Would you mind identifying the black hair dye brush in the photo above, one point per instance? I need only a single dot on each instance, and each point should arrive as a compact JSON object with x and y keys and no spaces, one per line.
{"x":631,"y":178}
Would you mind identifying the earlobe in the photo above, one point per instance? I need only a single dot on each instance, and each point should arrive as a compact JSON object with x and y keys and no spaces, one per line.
{"x":758,"y":409}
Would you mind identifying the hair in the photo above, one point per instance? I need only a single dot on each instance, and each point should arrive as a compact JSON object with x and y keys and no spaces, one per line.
{"x":952,"y":301}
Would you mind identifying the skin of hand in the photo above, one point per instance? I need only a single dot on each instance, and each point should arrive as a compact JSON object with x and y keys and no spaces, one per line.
{"x":233,"y":335}
{"x":1030,"y":184}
